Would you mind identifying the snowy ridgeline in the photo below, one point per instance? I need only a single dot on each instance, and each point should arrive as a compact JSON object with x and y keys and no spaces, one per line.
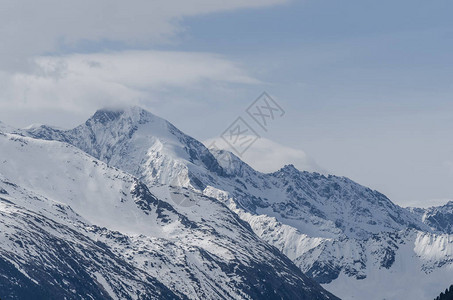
{"x":347,"y":237}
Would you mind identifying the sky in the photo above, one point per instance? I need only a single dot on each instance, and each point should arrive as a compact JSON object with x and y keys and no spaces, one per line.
{"x":366,"y":86}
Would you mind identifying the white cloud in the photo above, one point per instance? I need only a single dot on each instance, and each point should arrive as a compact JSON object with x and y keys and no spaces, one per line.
{"x":65,"y":90}
{"x":29,"y":28}
{"x":81,"y":83}
{"x":268,"y":156}
{"x":35,"y":80}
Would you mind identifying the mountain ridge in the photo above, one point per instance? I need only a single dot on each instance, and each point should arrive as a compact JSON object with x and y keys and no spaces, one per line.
{"x":332,"y":228}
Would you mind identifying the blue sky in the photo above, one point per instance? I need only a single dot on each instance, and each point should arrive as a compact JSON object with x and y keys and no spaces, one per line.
{"x":366,"y":85}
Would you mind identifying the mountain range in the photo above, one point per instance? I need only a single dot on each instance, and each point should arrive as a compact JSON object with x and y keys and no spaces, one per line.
{"x":127,"y":206}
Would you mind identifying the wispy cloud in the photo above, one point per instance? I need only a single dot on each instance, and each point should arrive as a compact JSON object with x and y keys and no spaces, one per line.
{"x":89,"y":81}
{"x":29,"y":28}
{"x":42,"y":70}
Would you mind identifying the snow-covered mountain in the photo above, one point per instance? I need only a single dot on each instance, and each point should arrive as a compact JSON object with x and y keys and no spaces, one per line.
{"x":353,"y":240}
{"x":439,"y":218}
{"x":75,"y":228}
{"x":155,"y":151}
{"x":139,"y":143}
{"x":325,"y":206}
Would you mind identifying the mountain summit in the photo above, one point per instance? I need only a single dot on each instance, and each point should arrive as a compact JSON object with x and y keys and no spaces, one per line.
{"x":140,"y":143}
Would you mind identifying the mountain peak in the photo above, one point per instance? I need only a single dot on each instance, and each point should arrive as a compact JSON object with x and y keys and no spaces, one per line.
{"x":137,"y":141}
{"x":105,"y":116}
{"x":289,"y":169}
{"x":132,"y":113}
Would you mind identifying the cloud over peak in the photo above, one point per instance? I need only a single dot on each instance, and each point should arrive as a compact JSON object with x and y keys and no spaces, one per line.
{"x":84,"y":82}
